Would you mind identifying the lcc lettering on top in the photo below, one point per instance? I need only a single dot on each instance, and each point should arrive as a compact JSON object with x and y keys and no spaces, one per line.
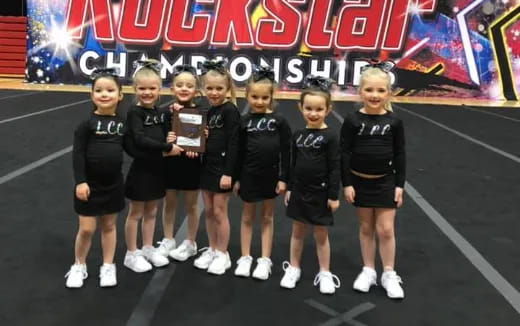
{"x":261,"y":125}
{"x":309,"y":141}
{"x":111,"y":128}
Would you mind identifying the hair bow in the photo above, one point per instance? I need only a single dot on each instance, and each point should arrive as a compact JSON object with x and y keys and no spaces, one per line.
{"x":104,"y":72}
{"x":263,"y":72}
{"x":140,"y":64}
{"x":386,"y":66}
{"x":177,"y":70}
{"x":217,"y":65}
{"x":322,"y":83}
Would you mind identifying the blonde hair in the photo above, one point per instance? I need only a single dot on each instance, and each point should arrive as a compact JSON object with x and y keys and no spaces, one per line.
{"x":377,"y":72}
{"x":146,"y":71}
{"x":229,"y":80}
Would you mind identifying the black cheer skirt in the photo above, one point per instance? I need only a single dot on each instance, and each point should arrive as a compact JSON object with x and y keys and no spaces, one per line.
{"x":378,"y":192}
{"x":103,"y":199}
{"x":212,"y":171}
{"x":255,"y":187}
{"x":182,"y":173}
{"x":310,"y":207}
{"x":145,"y":180}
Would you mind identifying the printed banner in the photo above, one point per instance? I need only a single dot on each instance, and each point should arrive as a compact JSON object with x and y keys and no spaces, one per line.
{"x":451,"y":48}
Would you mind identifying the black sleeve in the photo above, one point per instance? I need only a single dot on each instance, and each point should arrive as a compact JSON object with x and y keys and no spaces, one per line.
{"x":79,"y":149}
{"x":232,"y":125}
{"x":399,"y":154}
{"x":346,"y":142}
{"x":135,"y":123}
{"x":333,"y":166}
{"x":285,"y":149}
{"x":292,"y":165}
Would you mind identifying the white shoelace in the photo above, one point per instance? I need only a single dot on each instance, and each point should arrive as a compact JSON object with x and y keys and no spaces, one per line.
{"x":321,"y":275}
{"x":75,"y":270}
{"x":244,"y":259}
{"x":107,"y":271}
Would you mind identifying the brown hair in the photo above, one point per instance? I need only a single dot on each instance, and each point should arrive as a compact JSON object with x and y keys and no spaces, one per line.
{"x":231,"y":85}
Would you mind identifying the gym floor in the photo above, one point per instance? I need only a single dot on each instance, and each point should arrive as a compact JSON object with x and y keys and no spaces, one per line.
{"x":457,"y":233}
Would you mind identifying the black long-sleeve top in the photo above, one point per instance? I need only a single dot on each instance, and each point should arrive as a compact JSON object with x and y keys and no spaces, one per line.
{"x":373,"y":144}
{"x":223,"y":124}
{"x":265,"y":143}
{"x":97,"y":153}
{"x":147,"y":131}
{"x":315,"y":161}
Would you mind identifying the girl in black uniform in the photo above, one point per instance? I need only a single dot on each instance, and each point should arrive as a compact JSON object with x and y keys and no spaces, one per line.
{"x":218,"y":164}
{"x":147,"y":143}
{"x":182,"y":173}
{"x":265,"y":138}
{"x":314,"y":184}
{"x":373,"y":173}
{"x":97,"y":161}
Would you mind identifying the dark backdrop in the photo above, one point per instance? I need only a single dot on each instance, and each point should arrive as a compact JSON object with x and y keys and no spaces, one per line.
{"x":13,"y":8}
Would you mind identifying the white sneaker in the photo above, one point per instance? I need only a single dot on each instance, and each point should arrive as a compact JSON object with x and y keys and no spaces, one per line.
{"x":291,"y":276}
{"x":186,"y":250}
{"x":328,"y":282}
{"x":165,"y":246}
{"x":136,"y":262}
{"x":153,"y":256}
{"x":205,"y":259}
{"x":365,"y":280}
{"x":76,"y":275}
{"x":220,"y":264}
{"x":263,"y":268}
{"x":107,"y":275}
{"x":392,"y":283}
{"x":244,"y":266}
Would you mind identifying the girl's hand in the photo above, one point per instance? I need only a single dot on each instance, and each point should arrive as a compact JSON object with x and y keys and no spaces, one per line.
{"x":236,"y":188}
{"x":175,"y":107}
{"x":398,"y":196}
{"x":281,"y":187}
{"x":192,"y":154}
{"x":349,"y":193}
{"x":206,"y":132}
{"x":333,"y":205}
{"x":82,"y":191}
{"x":287,"y":197}
{"x":171,"y":138}
{"x":175,"y":151}
{"x":225,"y":182}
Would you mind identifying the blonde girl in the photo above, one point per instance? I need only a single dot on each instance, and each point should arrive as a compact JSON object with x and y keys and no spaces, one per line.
{"x":373,"y":175}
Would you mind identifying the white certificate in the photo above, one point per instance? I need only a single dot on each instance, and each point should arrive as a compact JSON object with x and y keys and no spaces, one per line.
{"x":185,"y":141}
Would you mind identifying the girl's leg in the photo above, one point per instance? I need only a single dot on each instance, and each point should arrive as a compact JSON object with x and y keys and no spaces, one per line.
{"x":267,"y":227}
{"x":385,"y":232}
{"x":246,"y":227}
{"x":148,"y":225}
{"x":321,"y":236}
{"x":297,"y":238}
{"x":87,"y":227}
{"x":108,"y":237}
{"x":168,"y":213}
{"x":191,"y":207}
{"x":135,"y":212}
{"x":220,"y":209}
{"x":366,"y":216}
{"x":207,"y":198}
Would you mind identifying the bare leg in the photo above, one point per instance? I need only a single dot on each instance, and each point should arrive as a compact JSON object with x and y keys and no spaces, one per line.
{"x":192,"y":211}
{"x":267,"y":227}
{"x":297,"y":239}
{"x":385,"y":232}
{"x":367,"y":238}
{"x":246,"y":227}
{"x":321,"y":236}
{"x":108,"y":237}
{"x":220,"y":208}
{"x":87,"y":227}
{"x":135,"y":213}
{"x":168,"y":213}
{"x":207,"y":198}
{"x":148,"y":225}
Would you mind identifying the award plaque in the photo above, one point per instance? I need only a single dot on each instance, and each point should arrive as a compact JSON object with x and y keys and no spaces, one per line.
{"x":189,"y":125}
